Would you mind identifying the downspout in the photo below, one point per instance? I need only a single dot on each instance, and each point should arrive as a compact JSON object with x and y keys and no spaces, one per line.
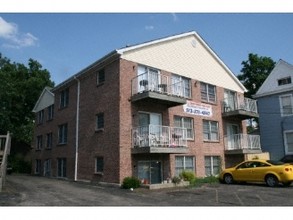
{"x":77,"y":128}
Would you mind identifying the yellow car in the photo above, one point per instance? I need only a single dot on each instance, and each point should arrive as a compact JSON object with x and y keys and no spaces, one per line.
{"x":268,"y":171}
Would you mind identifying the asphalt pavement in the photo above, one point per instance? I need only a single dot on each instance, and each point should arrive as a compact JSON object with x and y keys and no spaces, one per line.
{"x":26,"y":190}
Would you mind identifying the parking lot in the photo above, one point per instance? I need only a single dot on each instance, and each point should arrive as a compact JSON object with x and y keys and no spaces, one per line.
{"x":23,"y":190}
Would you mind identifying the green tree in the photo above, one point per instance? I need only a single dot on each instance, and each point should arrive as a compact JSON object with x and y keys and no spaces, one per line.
{"x":20,"y":87}
{"x":254,"y":72}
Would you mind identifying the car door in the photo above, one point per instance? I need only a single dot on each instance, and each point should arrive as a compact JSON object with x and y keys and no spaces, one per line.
{"x":243,"y":172}
{"x":258,"y":171}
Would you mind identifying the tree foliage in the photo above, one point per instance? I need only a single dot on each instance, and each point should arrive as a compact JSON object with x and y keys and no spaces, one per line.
{"x":20,"y":87}
{"x":254,"y":72}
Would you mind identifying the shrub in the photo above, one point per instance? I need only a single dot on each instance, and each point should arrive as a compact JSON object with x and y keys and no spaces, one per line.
{"x":130,"y":182}
{"x":176,"y":179}
{"x":187,"y":176}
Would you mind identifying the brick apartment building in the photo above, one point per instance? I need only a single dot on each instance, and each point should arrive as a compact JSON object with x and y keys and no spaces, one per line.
{"x":150,"y":110}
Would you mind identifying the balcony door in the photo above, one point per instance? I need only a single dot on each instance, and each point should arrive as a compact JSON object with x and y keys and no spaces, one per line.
{"x":148,"y":79}
{"x":232,"y":137}
{"x":230,"y":100}
{"x":150,"y":125}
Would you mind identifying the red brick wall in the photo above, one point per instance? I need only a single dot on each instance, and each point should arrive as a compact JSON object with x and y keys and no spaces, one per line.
{"x":61,"y":116}
{"x":114,"y":142}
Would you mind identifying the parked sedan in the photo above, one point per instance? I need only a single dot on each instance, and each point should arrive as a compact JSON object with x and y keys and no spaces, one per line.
{"x":270,"y":172}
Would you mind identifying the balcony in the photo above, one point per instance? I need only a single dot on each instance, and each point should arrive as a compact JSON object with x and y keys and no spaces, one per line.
{"x":242,"y":144}
{"x":157,"y":88}
{"x":244,"y":109}
{"x":159,"y":139}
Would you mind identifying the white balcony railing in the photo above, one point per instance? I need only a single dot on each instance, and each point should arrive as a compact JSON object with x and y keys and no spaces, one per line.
{"x":245,"y":104}
{"x":242,"y":142}
{"x":156,"y":82}
{"x":159,"y":136}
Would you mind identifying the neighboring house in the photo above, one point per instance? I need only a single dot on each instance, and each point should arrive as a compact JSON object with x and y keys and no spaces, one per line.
{"x":151,"y":110}
{"x":275,"y":105}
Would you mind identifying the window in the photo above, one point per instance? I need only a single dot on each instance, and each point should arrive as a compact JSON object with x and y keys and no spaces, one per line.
{"x":64,"y":98}
{"x":212,"y":165}
{"x":49,"y":140}
{"x":100,"y":121}
{"x":47,"y":167}
{"x":184,"y":163}
{"x":38,"y":166}
{"x":184,"y":122}
{"x":41,"y":117}
{"x":208,"y":92}
{"x":284,"y":81}
{"x":61,"y":167}
{"x":99,"y":165}
{"x":101,"y":76}
{"x":210,"y":131}
{"x":181,"y":86}
{"x":286,"y":105}
{"x":62,"y":134}
{"x":50,"y":115}
{"x":288,"y":142}
{"x":39,"y":142}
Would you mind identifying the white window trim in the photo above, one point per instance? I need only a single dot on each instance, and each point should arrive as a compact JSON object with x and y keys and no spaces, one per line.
{"x":210,"y":132}
{"x":212,"y":163}
{"x":184,"y":163}
{"x":281,"y":106}
{"x":192,"y":125}
{"x":285,"y":141}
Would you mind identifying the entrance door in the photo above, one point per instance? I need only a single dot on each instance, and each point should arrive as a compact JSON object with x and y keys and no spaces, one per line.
{"x":233,"y":138}
{"x":156,"y":172}
{"x":150,"y":171}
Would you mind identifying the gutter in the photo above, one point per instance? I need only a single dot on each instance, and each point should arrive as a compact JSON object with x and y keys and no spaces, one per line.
{"x":77,"y":128}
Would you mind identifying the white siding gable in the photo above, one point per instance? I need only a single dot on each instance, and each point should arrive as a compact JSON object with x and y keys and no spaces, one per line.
{"x":187,"y":55}
{"x":45,"y":100}
{"x":270,"y":85}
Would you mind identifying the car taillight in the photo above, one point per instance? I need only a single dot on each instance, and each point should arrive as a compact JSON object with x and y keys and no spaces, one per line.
{"x":287,"y":169}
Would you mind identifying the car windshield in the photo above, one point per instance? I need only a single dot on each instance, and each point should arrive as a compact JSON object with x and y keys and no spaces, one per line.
{"x":274,"y":162}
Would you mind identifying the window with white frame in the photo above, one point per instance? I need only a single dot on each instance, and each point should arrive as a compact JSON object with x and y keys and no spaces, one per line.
{"x":288,"y":136}
{"x":208,"y":92}
{"x":41,"y":117}
{"x":64,"y":98}
{"x":212,"y":165}
{"x":99,"y":166}
{"x":47,"y":167}
{"x":61,"y":167}
{"x":39,"y":142}
{"x":181,"y":86}
{"x":50,"y":115}
{"x":185,"y":122}
{"x":286,"y":105}
{"x":184,"y":163}
{"x":62,"y":134}
{"x":210,"y":130}
{"x":49,"y":140}
{"x":284,"y":81}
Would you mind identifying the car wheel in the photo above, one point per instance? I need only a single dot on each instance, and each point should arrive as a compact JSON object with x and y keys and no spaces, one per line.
{"x":287,"y":183}
{"x":228,"y":179}
{"x":272,"y":180}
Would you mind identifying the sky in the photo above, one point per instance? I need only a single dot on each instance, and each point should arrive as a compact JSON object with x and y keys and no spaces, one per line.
{"x":65,"y":43}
